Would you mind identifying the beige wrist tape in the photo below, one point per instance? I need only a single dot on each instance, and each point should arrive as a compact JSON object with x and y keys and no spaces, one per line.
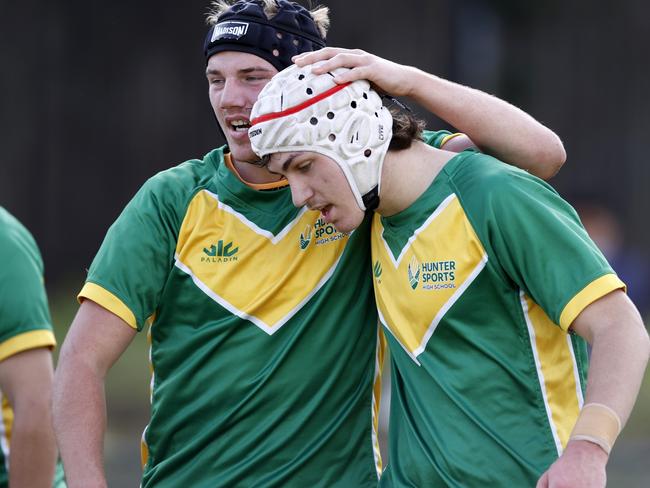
{"x":599,"y":424}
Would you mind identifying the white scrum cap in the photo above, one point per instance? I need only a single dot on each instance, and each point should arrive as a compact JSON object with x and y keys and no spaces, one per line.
{"x":300,"y":111}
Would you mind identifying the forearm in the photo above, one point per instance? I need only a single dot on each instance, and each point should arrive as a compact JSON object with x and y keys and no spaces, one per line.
{"x":620,"y":350}
{"x":33,"y":449}
{"x":79,"y":411}
{"x":497,"y":127}
{"x":617,"y":365}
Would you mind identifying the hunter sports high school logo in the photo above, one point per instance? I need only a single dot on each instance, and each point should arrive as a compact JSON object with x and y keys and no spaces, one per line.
{"x":433,"y":275}
{"x":321,"y":233}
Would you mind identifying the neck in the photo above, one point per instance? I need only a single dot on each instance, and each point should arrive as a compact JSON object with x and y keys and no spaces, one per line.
{"x":254,"y":174}
{"x":406,"y":175}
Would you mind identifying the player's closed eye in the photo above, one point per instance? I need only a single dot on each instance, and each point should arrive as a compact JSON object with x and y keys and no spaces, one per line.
{"x":304,"y":167}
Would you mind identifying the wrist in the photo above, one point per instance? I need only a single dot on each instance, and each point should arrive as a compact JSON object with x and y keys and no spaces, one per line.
{"x":597,"y":424}
{"x":589,"y":449}
{"x":415,"y":82}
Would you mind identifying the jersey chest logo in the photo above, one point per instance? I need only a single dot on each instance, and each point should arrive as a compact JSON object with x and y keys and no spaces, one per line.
{"x":416,"y":288}
{"x":259,"y":276}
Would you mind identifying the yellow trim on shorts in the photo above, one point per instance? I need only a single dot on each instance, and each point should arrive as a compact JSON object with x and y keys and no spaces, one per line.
{"x":589,"y":294}
{"x":101,"y":296}
{"x":27,"y":340}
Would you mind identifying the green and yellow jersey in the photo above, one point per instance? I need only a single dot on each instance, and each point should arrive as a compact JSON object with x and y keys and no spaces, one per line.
{"x":477,"y":284}
{"x":263,"y":330}
{"x":24,"y":316}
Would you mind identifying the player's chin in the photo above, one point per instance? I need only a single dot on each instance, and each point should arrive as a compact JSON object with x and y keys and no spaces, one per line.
{"x":348,"y":223}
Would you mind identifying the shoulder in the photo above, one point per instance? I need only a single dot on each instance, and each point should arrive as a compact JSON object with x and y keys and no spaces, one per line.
{"x":23,"y":304}
{"x":188,"y":176}
{"x":436,"y":138}
{"x":170,"y":191}
{"x":488,"y":178}
{"x":161,"y":202}
{"x":16,"y":242}
{"x":10,"y":227}
{"x":491,"y":191}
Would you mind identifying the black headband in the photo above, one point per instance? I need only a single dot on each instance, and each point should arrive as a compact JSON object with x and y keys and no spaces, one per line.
{"x":244,"y":27}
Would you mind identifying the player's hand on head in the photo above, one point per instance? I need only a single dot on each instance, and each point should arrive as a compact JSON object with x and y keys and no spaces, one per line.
{"x":385,"y":76}
{"x":332,"y":57}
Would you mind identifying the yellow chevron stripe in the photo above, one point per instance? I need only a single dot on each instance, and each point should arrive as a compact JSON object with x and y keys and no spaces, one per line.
{"x":411,"y":299}
{"x":267,"y":291}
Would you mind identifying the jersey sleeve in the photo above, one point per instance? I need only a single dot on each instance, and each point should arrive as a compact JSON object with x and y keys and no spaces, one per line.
{"x":437,"y":138}
{"x":537,"y":239}
{"x":24,"y":314}
{"x":131,"y":267}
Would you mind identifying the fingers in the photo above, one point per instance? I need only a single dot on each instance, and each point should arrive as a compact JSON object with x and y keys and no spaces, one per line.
{"x":334,"y":57}
{"x":322,"y":54}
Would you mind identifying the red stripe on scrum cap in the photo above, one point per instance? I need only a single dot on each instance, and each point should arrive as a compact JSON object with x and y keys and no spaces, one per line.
{"x":299,"y":107}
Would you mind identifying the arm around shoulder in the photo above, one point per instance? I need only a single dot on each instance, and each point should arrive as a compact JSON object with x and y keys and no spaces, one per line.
{"x":494,"y":125}
{"x":96,"y":339}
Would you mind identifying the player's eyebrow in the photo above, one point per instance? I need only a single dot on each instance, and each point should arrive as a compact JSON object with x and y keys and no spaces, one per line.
{"x":251,"y":69}
{"x":255,"y":68}
{"x":287,"y":163}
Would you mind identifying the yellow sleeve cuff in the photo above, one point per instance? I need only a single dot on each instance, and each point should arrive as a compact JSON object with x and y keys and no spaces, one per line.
{"x":449,"y":137}
{"x":589,"y":294}
{"x":110,"y":302}
{"x":25,"y":341}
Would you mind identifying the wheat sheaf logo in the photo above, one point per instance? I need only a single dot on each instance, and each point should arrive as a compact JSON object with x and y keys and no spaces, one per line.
{"x":305,"y":238}
{"x":414,"y":273}
{"x":376,"y":269}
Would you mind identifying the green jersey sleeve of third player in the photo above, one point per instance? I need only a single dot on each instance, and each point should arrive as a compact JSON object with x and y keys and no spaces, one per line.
{"x":478,"y":283}
{"x":24,"y":316}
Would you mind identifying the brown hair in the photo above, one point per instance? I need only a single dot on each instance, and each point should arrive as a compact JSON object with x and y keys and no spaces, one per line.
{"x":406,"y":129}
